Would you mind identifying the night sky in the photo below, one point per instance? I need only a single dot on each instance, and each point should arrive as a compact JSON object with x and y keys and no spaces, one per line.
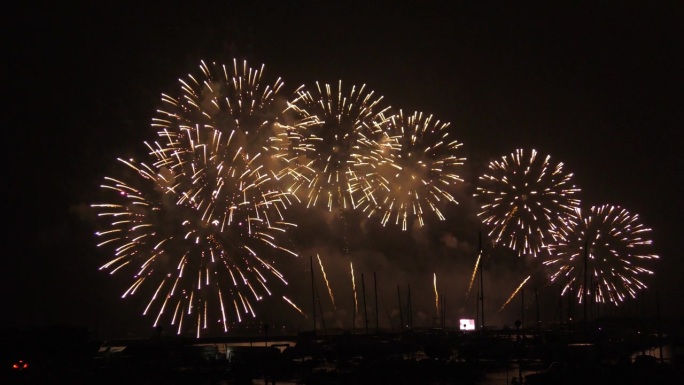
{"x":599,"y":88}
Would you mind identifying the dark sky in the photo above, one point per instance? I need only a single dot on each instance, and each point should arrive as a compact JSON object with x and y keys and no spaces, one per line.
{"x":599,"y":88}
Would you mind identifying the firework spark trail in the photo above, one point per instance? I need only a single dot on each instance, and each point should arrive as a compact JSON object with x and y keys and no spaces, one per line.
{"x":294,"y":306}
{"x":205,"y":206}
{"x":434,"y":283}
{"x":472,"y":277}
{"x":526,"y":202}
{"x":356,"y":301}
{"x":515,"y":292}
{"x":418,"y":163}
{"x":618,"y":249}
{"x":330,"y":145}
{"x":327,"y":284}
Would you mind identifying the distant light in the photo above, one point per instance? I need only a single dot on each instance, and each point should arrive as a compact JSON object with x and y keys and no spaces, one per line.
{"x":20,"y":365}
{"x":466,"y":324}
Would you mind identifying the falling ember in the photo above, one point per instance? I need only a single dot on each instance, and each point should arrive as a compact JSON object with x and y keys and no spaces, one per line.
{"x":434,"y":282}
{"x":325,"y":277}
{"x":356,"y":301}
{"x":331,"y":144}
{"x":472,"y":277}
{"x":198,"y":325}
{"x":294,"y":306}
{"x":515,"y":292}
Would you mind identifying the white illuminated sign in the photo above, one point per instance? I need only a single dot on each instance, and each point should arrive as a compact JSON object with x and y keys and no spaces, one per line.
{"x":467,"y":324}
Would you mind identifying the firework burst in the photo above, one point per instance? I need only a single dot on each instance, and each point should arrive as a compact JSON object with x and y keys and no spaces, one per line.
{"x":232,"y":99}
{"x":198,"y":227}
{"x":332,"y":139}
{"x":194,"y":234}
{"x":616,"y":247}
{"x":526,"y":201}
{"x":419,"y":168}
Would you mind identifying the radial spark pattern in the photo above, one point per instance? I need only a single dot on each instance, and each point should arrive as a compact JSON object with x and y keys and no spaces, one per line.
{"x":420,"y":165}
{"x":332,"y":144}
{"x":234,"y":100}
{"x":526,"y":201}
{"x":617,"y":251}
{"x":200,"y":225}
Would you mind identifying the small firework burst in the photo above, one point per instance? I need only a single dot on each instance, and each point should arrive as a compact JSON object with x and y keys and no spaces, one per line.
{"x":615,"y":248}
{"x":526,"y":201}
{"x":331,"y":138}
{"x":419,"y":165}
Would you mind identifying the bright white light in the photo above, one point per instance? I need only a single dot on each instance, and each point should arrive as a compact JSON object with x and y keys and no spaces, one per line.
{"x":466,"y":324}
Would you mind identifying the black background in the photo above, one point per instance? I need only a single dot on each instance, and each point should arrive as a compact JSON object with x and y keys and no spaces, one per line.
{"x":598,"y":87}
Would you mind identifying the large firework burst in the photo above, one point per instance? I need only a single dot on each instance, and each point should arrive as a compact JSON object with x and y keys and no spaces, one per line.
{"x":613,"y":245}
{"x":419,"y":166}
{"x":332,"y":139}
{"x":199,"y":225}
{"x":526,"y":200}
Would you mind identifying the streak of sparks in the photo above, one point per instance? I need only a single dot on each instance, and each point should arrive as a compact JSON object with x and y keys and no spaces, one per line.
{"x":472,"y":277}
{"x":356,"y":300}
{"x":327,"y":284}
{"x":515,"y":292}
{"x":294,"y":306}
{"x":434,"y":283}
